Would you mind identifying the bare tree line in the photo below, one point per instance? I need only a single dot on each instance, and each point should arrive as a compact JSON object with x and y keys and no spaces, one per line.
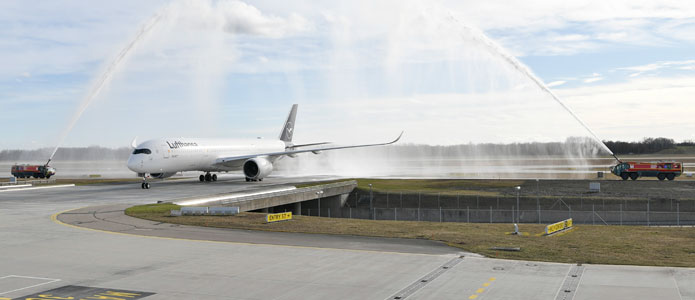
{"x":574,"y":146}
{"x":650,"y":146}
{"x":66,"y":154}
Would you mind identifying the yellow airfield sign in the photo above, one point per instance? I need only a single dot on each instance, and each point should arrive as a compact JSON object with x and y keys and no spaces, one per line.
{"x":559,"y":226}
{"x":270,"y":218}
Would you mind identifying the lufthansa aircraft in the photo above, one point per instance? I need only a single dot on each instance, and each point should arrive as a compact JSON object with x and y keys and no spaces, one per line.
{"x":162,"y":158}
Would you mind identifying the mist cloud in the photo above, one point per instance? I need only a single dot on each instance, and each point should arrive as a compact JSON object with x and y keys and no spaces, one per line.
{"x":242,"y":18}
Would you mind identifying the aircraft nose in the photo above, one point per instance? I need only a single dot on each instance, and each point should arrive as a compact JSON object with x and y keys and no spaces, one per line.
{"x":133,"y":164}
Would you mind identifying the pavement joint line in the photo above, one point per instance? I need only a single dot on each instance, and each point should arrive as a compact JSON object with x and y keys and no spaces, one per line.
{"x":89,"y":212}
{"x":94,"y":214}
{"x":55,"y":219}
{"x":678,"y":289}
{"x":423,"y":281}
{"x":48,"y":280}
{"x":571,"y":283}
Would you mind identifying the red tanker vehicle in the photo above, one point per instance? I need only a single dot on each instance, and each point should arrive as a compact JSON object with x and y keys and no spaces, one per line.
{"x":662,"y":170}
{"x":36,"y":171}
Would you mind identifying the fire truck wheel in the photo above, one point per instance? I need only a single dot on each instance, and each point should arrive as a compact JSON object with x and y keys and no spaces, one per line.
{"x":671,"y":176}
{"x":202,"y":178}
{"x":214,"y":177}
{"x":48,"y":176}
{"x":661,"y":176}
{"x":624,"y":176}
{"x":633,"y":176}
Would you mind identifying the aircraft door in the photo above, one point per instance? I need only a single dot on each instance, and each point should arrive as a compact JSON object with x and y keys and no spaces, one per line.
{"x":166,"y":152}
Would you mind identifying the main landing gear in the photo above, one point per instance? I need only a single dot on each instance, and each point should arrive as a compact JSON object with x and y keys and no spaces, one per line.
{"x":208,"y":177}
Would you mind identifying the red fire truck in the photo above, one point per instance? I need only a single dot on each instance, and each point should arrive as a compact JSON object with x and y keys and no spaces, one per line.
{"x":662,"y":170}
{"x":36,"y":171}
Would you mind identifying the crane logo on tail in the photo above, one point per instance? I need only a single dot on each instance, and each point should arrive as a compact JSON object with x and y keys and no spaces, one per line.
{"x":288,"y":130}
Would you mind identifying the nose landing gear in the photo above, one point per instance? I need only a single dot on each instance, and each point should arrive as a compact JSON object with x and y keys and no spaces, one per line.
{"x":145,"y":185}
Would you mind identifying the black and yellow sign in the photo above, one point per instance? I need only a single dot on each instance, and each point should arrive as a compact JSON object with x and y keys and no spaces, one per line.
{"x":559,"y":226}
{"x":279,"y":217}
{"x":75,"y":292}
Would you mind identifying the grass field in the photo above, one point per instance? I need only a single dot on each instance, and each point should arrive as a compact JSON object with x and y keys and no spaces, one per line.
{"x":630,"y":245}
{"x":443,"y":186}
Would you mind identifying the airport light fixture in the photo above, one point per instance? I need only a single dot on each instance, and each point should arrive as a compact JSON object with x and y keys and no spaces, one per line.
{"x":518,"y":213}
{"x":371,"y":206}
{"x":318,"y":194}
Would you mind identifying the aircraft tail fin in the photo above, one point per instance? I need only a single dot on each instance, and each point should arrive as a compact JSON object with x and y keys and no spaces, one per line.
{"x":288,"y":129}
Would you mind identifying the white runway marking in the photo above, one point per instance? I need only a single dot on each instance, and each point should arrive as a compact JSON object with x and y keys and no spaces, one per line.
{"x":9,"y":187}
{"x":38,"y":188}
{"x":47,"y":281}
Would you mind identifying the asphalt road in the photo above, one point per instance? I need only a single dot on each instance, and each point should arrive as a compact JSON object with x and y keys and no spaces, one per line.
{"x":39,"y":253}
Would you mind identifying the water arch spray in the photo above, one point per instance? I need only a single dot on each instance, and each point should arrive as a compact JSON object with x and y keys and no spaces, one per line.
{"x":107,"y":76}
{"x":523,"y":69}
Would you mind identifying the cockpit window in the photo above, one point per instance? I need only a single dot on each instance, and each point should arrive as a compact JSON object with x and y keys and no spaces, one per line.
{"x":144,"y":150}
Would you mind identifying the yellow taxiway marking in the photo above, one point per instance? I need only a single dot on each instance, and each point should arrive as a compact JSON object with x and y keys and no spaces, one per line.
{"x":479,"y":291}
{"x":54,"y":218}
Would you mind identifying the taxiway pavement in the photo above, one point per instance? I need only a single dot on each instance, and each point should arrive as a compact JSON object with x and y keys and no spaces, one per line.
{"x":39,"y":254}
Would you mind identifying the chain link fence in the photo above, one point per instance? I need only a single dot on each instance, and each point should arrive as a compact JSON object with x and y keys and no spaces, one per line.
{"x":409,"y":206}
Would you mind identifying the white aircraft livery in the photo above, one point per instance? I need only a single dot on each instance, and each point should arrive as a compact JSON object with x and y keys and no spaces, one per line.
{"x":162,"y":158}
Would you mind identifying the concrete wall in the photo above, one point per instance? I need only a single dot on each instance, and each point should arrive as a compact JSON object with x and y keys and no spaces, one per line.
{"x":333,"y":195}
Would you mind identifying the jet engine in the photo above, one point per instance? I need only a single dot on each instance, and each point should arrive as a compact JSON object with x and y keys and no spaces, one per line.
{"x":162,"y":175}
{"x":257,"y":168}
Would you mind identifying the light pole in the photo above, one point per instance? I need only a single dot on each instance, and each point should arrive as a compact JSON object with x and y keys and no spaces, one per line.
{"x":518,"y":214}
{"x":371,"y":207}
{"x":318,"y":194}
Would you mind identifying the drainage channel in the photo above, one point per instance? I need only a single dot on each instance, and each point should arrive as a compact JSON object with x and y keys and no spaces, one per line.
{"x":422,"y":282}
{"x":569,"y":286}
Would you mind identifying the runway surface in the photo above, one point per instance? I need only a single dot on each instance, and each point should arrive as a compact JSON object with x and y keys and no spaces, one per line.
{"x":157,"y":261}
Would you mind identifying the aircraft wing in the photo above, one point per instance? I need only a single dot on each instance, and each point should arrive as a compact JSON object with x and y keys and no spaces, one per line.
{"x":238,"y":161}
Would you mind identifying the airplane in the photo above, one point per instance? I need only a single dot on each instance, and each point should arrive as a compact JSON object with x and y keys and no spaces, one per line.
{"x":162,"y":158}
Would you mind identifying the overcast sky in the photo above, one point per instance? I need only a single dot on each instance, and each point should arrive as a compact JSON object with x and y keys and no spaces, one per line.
{"x":360,"y":70}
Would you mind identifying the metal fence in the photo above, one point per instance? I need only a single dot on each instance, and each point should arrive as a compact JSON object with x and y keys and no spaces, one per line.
{"x":503,"y":209}
{"x":492,"y":215}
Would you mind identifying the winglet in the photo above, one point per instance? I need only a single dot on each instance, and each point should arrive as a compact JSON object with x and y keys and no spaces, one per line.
{"x":397,"y":139}
{"x":288,"y":129}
